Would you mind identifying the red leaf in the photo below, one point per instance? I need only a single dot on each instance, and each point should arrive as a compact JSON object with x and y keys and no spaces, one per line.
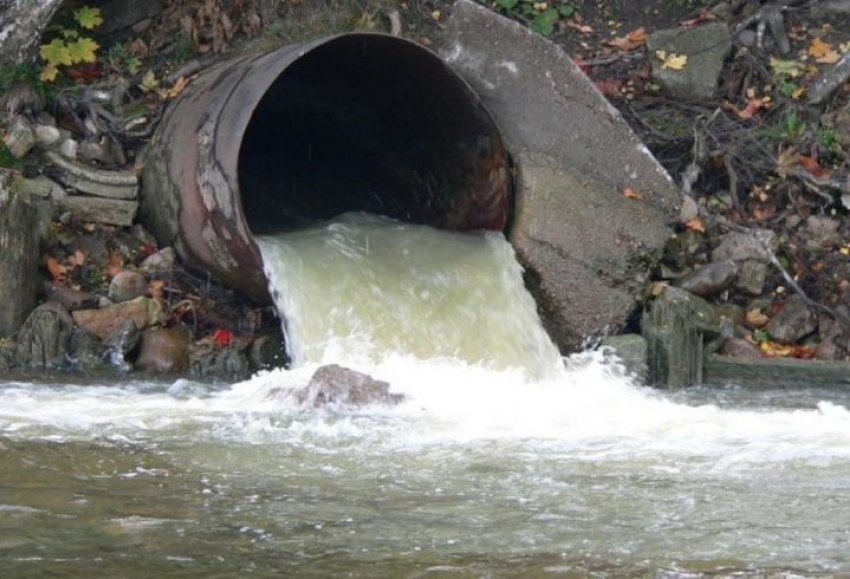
{"x":223,"y":337}
{"x":811,"y":165}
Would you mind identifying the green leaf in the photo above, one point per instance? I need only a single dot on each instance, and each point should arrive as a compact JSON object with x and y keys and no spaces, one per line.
{"x":786,"y":68}
{"x":761,"y":336}
{"x":69,"y":34}
{"x":83,"y":50}
{"x":149,"y":82}
{"x":133,"y":64}
{"x":88,"y":17}
{"x":56,"y":53}
{"x":544,"y":23}
{"x":566,"y":10}
{"x":507,"y":4}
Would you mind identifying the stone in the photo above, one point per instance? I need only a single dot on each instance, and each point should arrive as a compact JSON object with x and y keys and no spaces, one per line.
{"x":752,"y":276}
{"x":631,"y":351}
{"x":19,"y":255}
{"x":706,"y":47}
{"x":47,"y":135}
{"x":586,"y":270}
{"x":747,"y":38}
{"x":144,"y":312}
{"x":20,"y":138}
{"x":740,"y":246}
{"x":267,"y":352}
{"x":99,"y":210}
{"x":101,"y":183}
{"x":127,"y":285}
{"x":43,"y":188}
{"x":740,"y":348}
{"x":44,"y":338}
{"x":162,"y":260}
{"x":164,"y":351}
{"x":793,"y":322}
{"x":821,"y":232}
{"x":334,"y":384}
{"x":119,"y":15}
{"x":68,"y":149}
{"x":230,"y":364}
{"x":710,"y":280}
{"x":85,"y":352}
{"x":124,"y":338}
{"x":70,"y":298}
{"x":828,"y":350}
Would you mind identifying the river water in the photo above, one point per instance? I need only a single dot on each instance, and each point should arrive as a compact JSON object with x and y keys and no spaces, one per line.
{"x":502,"y":461}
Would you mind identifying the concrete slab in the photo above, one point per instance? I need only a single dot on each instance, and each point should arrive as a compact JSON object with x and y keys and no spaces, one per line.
{"x":588,"y":248}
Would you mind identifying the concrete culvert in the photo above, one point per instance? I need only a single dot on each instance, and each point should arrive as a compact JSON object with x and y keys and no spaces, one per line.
{"x":266,"y":142}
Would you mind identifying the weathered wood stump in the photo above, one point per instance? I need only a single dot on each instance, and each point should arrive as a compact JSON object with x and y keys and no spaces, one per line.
{"x":19,"y":250}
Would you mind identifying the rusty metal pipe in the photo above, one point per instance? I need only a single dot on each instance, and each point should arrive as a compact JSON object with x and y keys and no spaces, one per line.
{"x":267,"y":142}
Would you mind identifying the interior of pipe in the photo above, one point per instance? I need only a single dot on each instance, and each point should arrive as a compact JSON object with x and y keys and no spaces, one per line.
{"x":372,"y":123}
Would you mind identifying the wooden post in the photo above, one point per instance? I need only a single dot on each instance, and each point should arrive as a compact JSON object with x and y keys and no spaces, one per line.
{"x":19,"y":250}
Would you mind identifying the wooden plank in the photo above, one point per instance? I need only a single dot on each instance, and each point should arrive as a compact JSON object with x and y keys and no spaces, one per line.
{"x":770,"y":373}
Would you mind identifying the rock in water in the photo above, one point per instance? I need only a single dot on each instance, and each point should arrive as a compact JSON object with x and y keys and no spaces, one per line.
{"x":103,"y":322}
{"x":334,"y":384}
{"x":164,"y":350}
{"x":44,"y":338}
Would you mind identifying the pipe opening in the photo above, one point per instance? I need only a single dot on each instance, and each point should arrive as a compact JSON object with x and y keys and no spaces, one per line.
{"x":372,"y":123}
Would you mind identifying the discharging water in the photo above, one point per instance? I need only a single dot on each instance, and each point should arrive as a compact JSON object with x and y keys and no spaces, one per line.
{"x":502,"y":461}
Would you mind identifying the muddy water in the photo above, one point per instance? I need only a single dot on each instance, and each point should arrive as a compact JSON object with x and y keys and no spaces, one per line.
{"x":494,"y":466}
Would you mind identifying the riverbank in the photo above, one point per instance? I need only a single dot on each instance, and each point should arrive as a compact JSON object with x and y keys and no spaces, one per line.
{"x":763,"y":168}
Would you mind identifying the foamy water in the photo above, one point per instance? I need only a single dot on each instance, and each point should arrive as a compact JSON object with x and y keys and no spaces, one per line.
{"x":503,"y":458}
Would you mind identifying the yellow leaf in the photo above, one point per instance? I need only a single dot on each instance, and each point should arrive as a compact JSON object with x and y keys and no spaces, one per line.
{"x":55,"y":53}
{"x":83,"y":50}
{"x":48,"y":73}
{"x":88,"y":17}
{"x":149,"y":82}
{"x":672,"y":61}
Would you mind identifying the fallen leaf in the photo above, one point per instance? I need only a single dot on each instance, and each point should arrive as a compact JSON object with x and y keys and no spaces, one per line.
{"x":179,"y":85}
{"x":786,"y":68}
{"x":78,"y":259}
{"x":823,"y":52}
{"x":582,"y":28}
{"x":609,"y":86}
{"x":658,"y":288}
{"x":630,"y":193}
{"x":56,"y":269}
{"x":672,"y":61}
{"x":786,"y":162}
{"x":149,"y":82}
{"x":632,"y":40}
{"x":811,"y":165}
{"x":695,"y":225}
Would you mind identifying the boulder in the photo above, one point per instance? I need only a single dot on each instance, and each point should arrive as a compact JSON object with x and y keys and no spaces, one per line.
{"x":230,"y":364}
{"x":127,"y":285}
{"x":793,"y":322}
{"x":267,"y":352}
{"x":85,"y":352}
{"x":103,"y":322}
{"x":334,"y":384}
{"x":19,"y":253}
{"x":711,"y":279}
{"x":164,"y":351}
{"x":740,"y":246}
{"x":20,"y":138}
{"x":631,"y":351}
{"x":162,"y":260}
{"x":43,"y":341}
{"x":586,"y":246}
{"x":706,"y":48}
{"x":752,"y":277}
{"x":123,"y":339}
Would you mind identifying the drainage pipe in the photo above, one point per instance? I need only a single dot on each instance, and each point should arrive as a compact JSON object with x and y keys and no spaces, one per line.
{"x":268,"y":142}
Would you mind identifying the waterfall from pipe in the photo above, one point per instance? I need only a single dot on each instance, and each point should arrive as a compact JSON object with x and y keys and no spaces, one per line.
{"x":364,"y":287}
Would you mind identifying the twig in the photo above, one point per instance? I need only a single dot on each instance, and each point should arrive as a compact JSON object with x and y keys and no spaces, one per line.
{"x":395,"y":21}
